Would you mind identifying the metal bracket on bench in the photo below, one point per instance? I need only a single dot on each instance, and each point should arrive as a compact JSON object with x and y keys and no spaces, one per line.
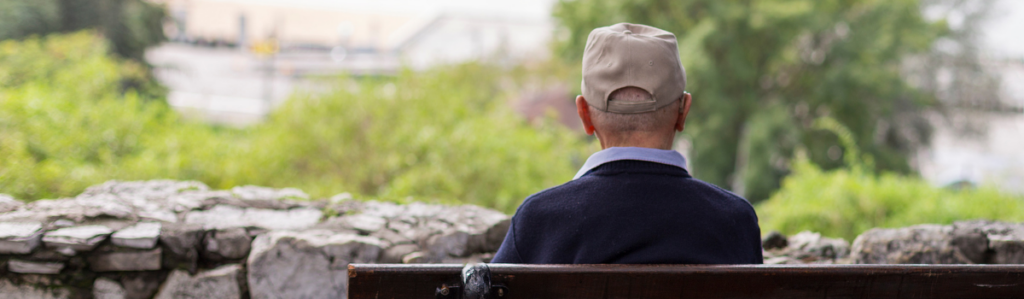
{"x":476,"y":284}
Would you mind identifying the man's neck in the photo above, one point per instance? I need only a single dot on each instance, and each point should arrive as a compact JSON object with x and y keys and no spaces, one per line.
{"x":659,"y":143}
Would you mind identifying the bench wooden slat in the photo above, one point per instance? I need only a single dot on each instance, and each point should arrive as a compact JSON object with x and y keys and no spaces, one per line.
{"x":691,"y":281}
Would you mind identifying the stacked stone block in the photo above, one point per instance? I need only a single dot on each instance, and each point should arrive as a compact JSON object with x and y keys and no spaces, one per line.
{"x":172,"y":239}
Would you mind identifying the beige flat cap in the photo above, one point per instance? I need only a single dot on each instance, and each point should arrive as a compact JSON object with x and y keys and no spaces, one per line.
{"x":624,"y":55}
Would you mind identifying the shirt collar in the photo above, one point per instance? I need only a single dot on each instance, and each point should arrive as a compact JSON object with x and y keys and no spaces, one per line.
{"x":667,"y":157}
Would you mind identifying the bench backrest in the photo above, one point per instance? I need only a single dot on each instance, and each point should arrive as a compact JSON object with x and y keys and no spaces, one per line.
{"x":685,"y":281}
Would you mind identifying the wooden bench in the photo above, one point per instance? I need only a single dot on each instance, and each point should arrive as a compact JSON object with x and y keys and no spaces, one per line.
{"x":506,"y":281}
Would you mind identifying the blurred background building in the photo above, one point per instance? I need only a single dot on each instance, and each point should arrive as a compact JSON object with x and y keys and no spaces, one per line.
{"x":214,"y":67}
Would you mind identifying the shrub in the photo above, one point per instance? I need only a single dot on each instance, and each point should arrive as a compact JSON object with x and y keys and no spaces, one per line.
{"x":64,"y":121}
{"x":447,"y":134}
{"x":846,"y":202}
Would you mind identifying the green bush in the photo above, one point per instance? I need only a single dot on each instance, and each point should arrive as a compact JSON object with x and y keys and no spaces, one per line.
{"x":846,"y":202}
{"x":67,"y":121}
{"x":448,"y":133}
{"x":64,"y":121}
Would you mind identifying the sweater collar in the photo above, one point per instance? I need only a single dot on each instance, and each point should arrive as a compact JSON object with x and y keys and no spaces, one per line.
{"x":667,"y":157}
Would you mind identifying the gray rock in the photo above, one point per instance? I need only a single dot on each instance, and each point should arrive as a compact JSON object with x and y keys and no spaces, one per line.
{"x":59,"y":223}
{"x":1007,"y":248}
{"x":417,"y":257}
{"x":820,"y":247}
{"x":468,"y":230}
{"x":154,"y":200}
{"x":386,"y":210}
{"x":970,"y":238}
{"x":104,"y":288}
{"x":8,"y":203}
{"x":450,"y":244}
{"x":20,"y":238}
{"x":187,"y":201}
{"x":359,"y":222}
{"x":233,"y":243}
{"x":419,"y":235}
{"x":143,"y":236}
{"x":181,"y":245}
{"x":427,"y":211}
{"x":394,"y":254}
{"x":774,"y":240}
{"x":153,"y":189}
{"x":159,"y":215}
{"x":77,"y":238}
{"x":493,"y":236}
{"x":141,"y":285}
{"x":32,"y":267}
{"x":340,"y":198}
{"x":220,"y":283}
{"x":402,"y":225}
{"x":269,"y":204}
{"x":487,"y":228}
{"x":44,"y":280}
{"x":28,"y":291}
{"x":259,"y":198}
{"x":76,"y":209}
{"x":807,"y":248}
{"x":780,"y":260}
{"x":919,"y":244}
{"x":311,"y":264}
{"x":49,"y":255}
{"x":66,"y":251}
{"x":991,"y":242}
{"x":264,"y":193}
{"x":225,"y":216}
{"x":125,"y":261}
{"x":391,"y":238}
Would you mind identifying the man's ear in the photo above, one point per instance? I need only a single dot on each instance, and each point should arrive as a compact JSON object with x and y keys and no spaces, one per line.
{"x":583,"y":109}
{"x":684,"y":109}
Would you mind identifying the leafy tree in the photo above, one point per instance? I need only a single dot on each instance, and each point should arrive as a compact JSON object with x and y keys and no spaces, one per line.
{"x":130,"y":25}
{"x":20,"y":18}
{"x":762,"y":71}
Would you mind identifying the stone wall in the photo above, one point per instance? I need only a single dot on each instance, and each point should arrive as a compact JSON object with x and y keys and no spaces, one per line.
{"x":963,"y":242}
{"x":172,"y":239}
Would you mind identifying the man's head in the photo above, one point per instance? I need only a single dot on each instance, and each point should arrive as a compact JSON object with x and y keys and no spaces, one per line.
{"x":633,"y":87}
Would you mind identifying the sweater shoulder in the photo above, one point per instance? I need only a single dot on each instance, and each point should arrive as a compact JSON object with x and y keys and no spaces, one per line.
{"x":739,"y":207}
{"x":722,"y":192}
{"x":549,"y":198}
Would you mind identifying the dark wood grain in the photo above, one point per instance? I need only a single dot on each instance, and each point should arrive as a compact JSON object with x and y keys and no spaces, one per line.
{"x":691,"y":281}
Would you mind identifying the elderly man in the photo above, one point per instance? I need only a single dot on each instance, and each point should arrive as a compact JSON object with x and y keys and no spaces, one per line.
{"x":633,"y":202}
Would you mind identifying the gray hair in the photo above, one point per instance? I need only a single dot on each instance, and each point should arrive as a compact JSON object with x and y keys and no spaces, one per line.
{"x":634,"y":122}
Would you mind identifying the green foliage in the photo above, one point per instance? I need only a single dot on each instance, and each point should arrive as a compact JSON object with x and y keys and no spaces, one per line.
{"x":447,"y":133}
{"x":64,"y":122}
{"x":844,"y":203}
{"x":129,"y":25}
{"x":67,"y":122}
{"x":762,"y":71}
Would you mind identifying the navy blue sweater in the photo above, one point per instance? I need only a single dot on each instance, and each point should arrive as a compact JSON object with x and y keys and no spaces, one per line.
{"x":633,"y":212}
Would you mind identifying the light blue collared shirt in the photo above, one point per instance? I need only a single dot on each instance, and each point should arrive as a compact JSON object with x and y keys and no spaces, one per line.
{"x":667,"y":157}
